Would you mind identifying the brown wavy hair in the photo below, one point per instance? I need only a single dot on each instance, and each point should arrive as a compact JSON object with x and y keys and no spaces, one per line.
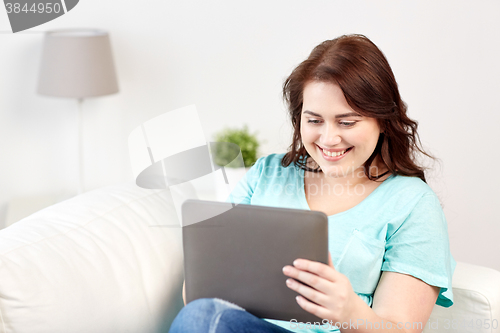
{"x":360,"y":69}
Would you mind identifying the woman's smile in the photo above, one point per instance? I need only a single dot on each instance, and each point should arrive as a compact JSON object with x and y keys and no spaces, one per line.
{"x":334,"y":155}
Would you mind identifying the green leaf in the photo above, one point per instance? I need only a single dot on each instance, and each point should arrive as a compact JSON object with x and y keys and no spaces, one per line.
{"x":247,"y":142}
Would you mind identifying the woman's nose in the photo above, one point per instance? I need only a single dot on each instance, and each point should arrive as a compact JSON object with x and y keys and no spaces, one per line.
{"x":330,"y":137}
{"x":330,"y":141}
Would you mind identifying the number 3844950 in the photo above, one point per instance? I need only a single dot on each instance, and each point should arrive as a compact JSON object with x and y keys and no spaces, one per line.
{"x":471,"y":323}
{"x":41,"y":7}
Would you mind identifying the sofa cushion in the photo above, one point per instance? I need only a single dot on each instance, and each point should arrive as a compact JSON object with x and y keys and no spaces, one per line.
{"x":476,"y":308}
{"x":108,"y":260}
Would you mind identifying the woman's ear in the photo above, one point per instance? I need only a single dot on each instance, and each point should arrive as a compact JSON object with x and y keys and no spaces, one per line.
{"x":382,"y":127}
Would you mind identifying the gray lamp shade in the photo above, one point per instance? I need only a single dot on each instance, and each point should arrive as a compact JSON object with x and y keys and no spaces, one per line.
{"x":77,"y":63}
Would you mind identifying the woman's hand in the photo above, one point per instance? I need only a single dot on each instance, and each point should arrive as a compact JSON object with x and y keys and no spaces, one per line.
{"x":329,"y":295}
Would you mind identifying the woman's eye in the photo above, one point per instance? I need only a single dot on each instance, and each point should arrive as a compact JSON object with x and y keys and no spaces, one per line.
{"x":341,"y":123}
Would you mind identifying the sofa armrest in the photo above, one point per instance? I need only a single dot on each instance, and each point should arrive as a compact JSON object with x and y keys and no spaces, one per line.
{"x":476,"y":308}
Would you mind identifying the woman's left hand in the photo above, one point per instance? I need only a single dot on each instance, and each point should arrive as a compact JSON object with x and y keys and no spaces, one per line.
{"x":331,"y":291}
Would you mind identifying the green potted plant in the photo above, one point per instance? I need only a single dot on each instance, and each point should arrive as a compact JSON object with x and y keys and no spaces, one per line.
{"x":247,"y":143}
{"x":226,"y":153}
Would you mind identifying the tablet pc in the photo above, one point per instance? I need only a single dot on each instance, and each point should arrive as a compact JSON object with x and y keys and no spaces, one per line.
{"x":237,"y":252}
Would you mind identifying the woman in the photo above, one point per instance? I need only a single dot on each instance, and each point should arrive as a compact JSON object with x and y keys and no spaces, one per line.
{"x":353,"y":158}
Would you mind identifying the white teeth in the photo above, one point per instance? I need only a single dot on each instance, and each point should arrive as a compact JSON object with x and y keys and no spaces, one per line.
{"x":334,"y":154}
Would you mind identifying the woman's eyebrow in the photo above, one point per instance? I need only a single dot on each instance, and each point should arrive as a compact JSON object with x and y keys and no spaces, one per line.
{"x":343,"y":115}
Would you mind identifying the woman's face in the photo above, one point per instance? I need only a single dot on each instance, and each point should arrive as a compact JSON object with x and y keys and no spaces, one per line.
{"x":338,"y":138}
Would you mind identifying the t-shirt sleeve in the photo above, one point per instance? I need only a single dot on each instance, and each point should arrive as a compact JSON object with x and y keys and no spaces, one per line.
{"x":420,"y":247}
{"x":244,"y":189}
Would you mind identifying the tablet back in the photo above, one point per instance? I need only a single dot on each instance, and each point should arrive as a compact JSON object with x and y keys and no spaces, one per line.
{"x":237,"y":253}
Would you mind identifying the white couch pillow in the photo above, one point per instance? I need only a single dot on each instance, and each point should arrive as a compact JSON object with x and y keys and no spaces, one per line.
{"x":109,"y":260}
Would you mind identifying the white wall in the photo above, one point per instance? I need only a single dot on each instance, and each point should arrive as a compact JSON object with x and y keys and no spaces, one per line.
{"x":230,"y":58}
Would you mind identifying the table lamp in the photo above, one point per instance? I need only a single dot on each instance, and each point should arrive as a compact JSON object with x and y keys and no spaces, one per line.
{"x":77,"y":63}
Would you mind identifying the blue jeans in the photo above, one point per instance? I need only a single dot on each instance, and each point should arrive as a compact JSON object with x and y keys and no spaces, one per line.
{"x":212,"y":315}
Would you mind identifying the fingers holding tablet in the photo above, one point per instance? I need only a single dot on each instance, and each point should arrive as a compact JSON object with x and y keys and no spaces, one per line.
{"x":323,"y":291}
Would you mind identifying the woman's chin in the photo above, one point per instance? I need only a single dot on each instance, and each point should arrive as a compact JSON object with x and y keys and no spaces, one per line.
{"x":335,"y":173}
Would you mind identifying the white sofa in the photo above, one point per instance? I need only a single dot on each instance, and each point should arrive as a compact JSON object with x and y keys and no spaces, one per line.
{"x":110,"y":260}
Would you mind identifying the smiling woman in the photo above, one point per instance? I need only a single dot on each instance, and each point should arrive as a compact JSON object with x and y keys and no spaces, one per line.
{"x":352,"y":157}
{"x":365,"y":86}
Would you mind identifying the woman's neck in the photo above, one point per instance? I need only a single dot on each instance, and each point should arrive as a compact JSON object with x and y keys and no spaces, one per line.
{"x":352,"y":178}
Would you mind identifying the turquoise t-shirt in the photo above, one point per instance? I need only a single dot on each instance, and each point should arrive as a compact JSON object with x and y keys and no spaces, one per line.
{"x":399,"y":227}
